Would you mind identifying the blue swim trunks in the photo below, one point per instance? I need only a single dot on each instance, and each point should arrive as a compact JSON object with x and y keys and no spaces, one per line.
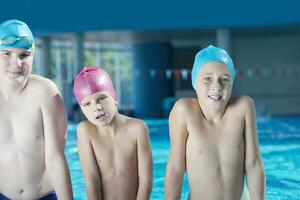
{"x":49,"y":196}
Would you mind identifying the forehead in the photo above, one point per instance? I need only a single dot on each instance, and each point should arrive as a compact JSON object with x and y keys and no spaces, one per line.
{"x":15,"y":50}
{"x":214,"y":68}
{"x":95,"y":95}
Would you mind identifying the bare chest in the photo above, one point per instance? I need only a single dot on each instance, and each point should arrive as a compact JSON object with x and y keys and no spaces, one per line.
{"x":219,"y":141}
{"x":118,"y":154}
{"x":21,"y":125}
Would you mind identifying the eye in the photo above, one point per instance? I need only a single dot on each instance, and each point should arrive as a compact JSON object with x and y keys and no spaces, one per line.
{"x":207,"y":79}
{"x":86,"y":104}
{"x":225,"y":80}
{"x":100,"y":98}
{"x":7,"y":53}
{"x":24,"y":56}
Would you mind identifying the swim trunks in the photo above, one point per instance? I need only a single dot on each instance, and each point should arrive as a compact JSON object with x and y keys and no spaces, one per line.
{"x":49,"y":196}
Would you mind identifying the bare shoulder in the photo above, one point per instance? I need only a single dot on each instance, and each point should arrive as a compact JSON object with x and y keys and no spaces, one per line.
{"x":135,"y":128}
{"x":183,"y":110}
{"x":184,"y":105}
{"x":137,"y":125}
{"x":242,"y":103}
{"x":42,"y":86}
{"x":84,"y":125}
{"x":83,"y":129}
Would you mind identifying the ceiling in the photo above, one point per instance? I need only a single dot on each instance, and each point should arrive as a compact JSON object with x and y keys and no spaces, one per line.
{"x":132,"y":20}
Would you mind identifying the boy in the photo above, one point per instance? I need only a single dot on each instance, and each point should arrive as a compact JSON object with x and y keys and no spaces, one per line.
{"x":32,"y":124}
{"x":214,"y":137}
{"x":114,"y":150}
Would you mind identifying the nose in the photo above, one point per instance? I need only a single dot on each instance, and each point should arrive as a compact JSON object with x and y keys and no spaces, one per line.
{"x":217,"y":86}
{"x":99,"y":106}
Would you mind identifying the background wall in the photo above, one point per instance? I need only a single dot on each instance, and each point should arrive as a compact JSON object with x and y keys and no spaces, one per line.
{"x":263,"y":38}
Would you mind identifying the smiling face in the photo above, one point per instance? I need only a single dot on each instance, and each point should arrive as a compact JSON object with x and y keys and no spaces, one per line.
{"x":213,"y":85}
{"x":99,"y":108}
{"x":15,"y":65}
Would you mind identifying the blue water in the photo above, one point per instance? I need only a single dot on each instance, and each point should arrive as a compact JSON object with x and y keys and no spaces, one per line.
{"x":279,"y":139}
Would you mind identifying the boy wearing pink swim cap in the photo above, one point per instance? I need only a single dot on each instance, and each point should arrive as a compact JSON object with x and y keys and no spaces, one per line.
{"x":114,"y":150}
{"x":214,"y":136}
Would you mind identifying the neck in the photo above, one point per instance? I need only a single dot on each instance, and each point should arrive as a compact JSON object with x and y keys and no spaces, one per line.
{"x":9,"y":90}
{"x":213,"y":115}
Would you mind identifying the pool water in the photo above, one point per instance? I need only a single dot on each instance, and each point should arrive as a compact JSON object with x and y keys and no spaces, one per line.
{"x":279,"y":139}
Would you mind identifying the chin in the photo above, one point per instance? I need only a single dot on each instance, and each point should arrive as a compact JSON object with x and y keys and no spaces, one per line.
{"x":15,"y":82}
{"x":218,"y":104}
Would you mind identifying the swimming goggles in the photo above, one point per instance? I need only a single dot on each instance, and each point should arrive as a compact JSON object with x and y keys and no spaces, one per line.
{"x":26,"y":42}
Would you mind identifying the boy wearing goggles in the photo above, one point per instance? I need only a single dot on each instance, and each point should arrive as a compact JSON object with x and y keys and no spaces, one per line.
{"x":32,"y":123}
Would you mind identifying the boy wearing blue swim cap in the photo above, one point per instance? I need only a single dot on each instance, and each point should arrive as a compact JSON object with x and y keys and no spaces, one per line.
{"x":32,"y":123}
{"x":214,"y":136}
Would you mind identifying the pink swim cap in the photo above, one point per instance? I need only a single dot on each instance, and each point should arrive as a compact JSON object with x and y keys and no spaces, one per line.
{"x":92,"y":80}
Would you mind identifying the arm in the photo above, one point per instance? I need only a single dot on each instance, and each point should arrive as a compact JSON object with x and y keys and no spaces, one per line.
{"x":145,"y":163}
{"x":253,"y":162}
{"x":54,"y":122}
{"x":176,"y":163}
{"x":89,"y":164}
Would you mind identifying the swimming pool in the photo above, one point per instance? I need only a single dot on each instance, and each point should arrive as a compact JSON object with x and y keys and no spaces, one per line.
{"x":279,"y":139}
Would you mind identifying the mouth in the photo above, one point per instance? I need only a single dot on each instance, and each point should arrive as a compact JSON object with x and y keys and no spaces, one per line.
{"x":215,"y":97}
{"x":15,"y":73}
{"x":100,"y":116}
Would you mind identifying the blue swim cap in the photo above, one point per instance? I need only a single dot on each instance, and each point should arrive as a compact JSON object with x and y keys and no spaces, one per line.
{"x":16,"y":34}
{"x":212,"y":54}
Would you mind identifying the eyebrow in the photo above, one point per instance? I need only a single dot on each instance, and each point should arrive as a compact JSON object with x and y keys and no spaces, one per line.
{"x":8,"y":51}
{"x":101,"y":95}
{"x":210,"y":73}
{"x":226,"y":75}
{"x":25,"y":51}
{"x":83,"y":103}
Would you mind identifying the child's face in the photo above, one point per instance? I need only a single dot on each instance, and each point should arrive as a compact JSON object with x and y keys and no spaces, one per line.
{"x":213,"y":85}
{"x":15,"y":65}
{"x":99,"y":108}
